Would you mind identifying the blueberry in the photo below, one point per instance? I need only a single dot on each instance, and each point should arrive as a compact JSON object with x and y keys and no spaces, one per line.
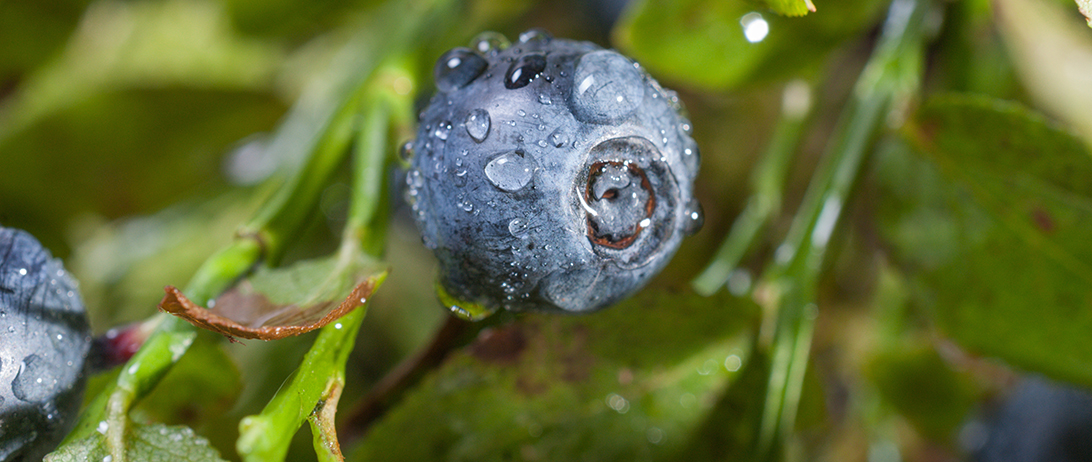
{"x":549,"y":175}
{"x":44,"y":341}
{"x":1040,"y":421}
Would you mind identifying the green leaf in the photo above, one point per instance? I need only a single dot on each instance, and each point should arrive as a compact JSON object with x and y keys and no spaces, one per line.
{"x":629,"y":383}
{"x":916,"y":382}
{"x":202,"y":385}
{"x":145,"y":443}
{"x":996,"y":226}
{"x":703,"y":43}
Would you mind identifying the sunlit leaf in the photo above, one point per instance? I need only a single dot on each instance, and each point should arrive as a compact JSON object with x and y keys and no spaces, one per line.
{"x":629,"y":383}
{"x":791,"y":7}
{"x":150,"y":443}
{"x":996,"y":224}
{"x":719,"y":45}
{"x":1085,"y":7}
{"x":277,"y":303}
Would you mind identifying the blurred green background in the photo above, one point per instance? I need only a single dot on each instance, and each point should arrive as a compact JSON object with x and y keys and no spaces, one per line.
{"x":133,"y":140}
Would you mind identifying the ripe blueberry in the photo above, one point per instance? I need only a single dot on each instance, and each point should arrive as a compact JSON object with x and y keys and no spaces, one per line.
{"x":549,"y":174}
{"x":44,"y":340}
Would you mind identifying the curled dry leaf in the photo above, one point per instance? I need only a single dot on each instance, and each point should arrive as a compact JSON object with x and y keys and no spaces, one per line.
{"x":247,"y":313}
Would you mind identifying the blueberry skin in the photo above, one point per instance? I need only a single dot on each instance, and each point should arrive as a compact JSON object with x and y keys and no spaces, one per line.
{"x":44,"y":341}
{"x":550,"y":175}
{"x":1041,"y":421}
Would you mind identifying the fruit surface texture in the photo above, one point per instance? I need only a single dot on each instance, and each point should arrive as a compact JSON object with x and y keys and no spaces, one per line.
{"x":549,"y":175}
{"x":44,"y":342}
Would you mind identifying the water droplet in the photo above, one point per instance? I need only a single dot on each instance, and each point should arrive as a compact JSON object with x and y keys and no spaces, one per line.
{"x":541,"y":143}
{"x":457,"y":68}
{"x":337,"y":326}
{"x":558,"y":139}
{"x":518,"y":227}
{"x":510,"y":171}
{"x":442,"y":130}
{"x":22,"y":271}
{"x":523,"y":70}
{"x":695,"y":218}
{"x":102,"y":427}
{"x":608,"y":87}
{"x":35,"y":381}
{"x":545,"y":99}
{"x":466,"y":205}
{"x":489,"y":41}
{"x":477,"y":124}
{"x":535,"y":36}
{"x":521,"y":113}
{"x":460,"y":177}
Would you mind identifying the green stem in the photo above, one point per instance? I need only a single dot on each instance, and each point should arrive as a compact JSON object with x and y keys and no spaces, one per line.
{"x":892,"y":73}
{"x":321,"y":375}
{"x":768,"y":181}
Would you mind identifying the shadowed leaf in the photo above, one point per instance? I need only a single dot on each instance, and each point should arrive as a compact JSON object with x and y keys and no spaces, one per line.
{"x":995,"y":224}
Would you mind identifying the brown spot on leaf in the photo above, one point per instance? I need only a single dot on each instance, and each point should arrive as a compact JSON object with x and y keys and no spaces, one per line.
{"x":502,"y":345}
{"x":246,"y":313}
{"x":1042,"y":220}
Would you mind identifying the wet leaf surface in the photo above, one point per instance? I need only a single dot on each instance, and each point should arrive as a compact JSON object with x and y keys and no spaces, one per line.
{"x":629,"y":383}
{"x":150,"y":443}
{"x":995,"y":223}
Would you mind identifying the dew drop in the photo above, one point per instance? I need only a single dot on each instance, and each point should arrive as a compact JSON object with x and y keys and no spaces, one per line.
{"x":558,"y":139}
{"x":22,"y":271}
{"x":518,"y":227}
{"x":489,"y":41}
{"x":457,"y":68}
{"x":535,"y":36}
{"x":442,"y":130}
{"x":695,"y":218}
{"x":608,"y":87}
{"x":510,"y":171}
{"x":523,"y":70}
{"x":477,"y":124}
{"x":544,"y":99}
{"x":35,"y":381}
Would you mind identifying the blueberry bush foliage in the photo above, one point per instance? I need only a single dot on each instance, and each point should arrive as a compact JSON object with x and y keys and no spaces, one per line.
{"x":897,"y":199}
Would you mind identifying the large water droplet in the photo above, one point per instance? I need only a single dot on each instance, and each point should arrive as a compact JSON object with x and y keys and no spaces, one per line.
{"x":457,"y":68}
{"x":477,"y":124}
{"x":607,"y":87}
{"x":695,"y":218}
{"x":518,"y":227}
{"x":488,"y":41}
{"x":523,"y":70}
{"x":510,"y":171}
{"x":535,"y":36}
{"x":35,"y":381}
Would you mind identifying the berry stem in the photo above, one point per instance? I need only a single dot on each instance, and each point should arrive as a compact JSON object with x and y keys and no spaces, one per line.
{"x":789,"y":292}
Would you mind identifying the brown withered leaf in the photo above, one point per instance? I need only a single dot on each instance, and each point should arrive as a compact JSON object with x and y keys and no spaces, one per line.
{"x":278,"y":303}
